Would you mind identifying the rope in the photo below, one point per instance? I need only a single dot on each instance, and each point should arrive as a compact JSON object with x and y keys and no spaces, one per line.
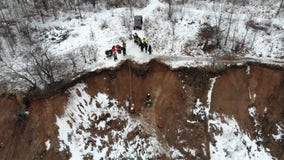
{"x":130,"y":82}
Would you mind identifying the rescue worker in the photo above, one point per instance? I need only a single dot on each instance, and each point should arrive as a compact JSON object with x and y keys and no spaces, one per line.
{"x":132,"y":108}
{"x":135,"y":36}
{"x":148,"y":100}
{"x":113,"y":49}
{"x":149,"y":49}
{"x":115,"y":56}
{"x":123,"y":48}
{"x":145,"y":43}
{"x":118,"y":48}
{"x":141,"y":44}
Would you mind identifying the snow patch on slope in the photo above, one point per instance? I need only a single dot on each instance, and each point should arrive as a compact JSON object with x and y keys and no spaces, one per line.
{"x":47,"y":144}
{"x":231,"y":142}
{"x":257,"y":130}
{"x":203,"y":111}
{"x":280,"y":133}
{"x":209,"y":95}
{"x":98,"y":128}
{"x":200,"y":110}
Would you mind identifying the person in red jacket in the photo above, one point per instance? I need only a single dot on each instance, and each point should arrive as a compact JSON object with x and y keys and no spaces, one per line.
{"x":118,"y":48}
{"x":114,"y":53}
{"x":113,"y":49}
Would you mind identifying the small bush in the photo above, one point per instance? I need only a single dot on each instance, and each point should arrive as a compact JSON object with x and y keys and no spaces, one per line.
{"x":104,"y":25}
{"x":207,"y":31}
{"x":209,"y":34}
{"x":123,"y":3}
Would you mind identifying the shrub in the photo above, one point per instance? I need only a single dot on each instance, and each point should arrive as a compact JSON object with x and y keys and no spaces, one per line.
{"x":104,"y":25}
{"x":210,"y":35}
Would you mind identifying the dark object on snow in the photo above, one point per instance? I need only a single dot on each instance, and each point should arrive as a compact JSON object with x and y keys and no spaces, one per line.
{"x":123,"y":44}
{"x":139,"y":41}
{"x":146,"y":47}
{"x":123,"y":50}
{"x":141,"y":46}
{"x":114,"y":56}
{"x":150,"y":49}
{"x":136,"y":38}
{"x":113,"y":49}
{"x":108,"y":53}
{"x":145,"y":43}
{"x":118,"y":48}
{"x":138,"y":21}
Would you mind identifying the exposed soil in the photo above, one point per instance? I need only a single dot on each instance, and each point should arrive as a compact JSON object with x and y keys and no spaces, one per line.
{"x":236,"y":88}
{"x":174,"y":94}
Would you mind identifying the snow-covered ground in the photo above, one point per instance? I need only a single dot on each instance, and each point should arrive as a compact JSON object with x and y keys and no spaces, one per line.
{"x":79,"y":44}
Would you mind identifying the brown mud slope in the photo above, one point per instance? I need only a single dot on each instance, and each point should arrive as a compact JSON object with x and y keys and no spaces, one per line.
{"x":174,"y":95}
{"x":263,"y":88}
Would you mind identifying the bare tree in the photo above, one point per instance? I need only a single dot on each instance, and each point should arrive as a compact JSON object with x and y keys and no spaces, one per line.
{"x":244,"y":39}
{"x":24,"y":28}
{"x":253,"y":39}
{"x":279,"y":8}
{"x":93,"y":3}
{"x":38,"y":69}
{"x":92,"y":33}
{"x":173,"y":34}
{"x":229,"y":27}
{"x":3,"y":19}
{"x":78,"y":7}
{"x":234,"y":37}
{"x":131,"y":15}
{"x":73,"y":59}
{"x":68,"y":4}
{"x":26,"y":75}
{"x":219,"y":20}
{"x":42,"y":64}
{"x":45,"y":4}
{"x":54,"y":8}
{"x":170,"y":9}
{"x":130,"y":8}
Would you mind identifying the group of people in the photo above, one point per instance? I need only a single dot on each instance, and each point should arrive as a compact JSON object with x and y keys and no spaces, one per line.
{"x":116,"y":49}
{"x":142,"y":43}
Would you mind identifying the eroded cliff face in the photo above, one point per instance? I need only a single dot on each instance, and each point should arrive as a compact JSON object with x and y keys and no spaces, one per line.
{"x":193,"y":106}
